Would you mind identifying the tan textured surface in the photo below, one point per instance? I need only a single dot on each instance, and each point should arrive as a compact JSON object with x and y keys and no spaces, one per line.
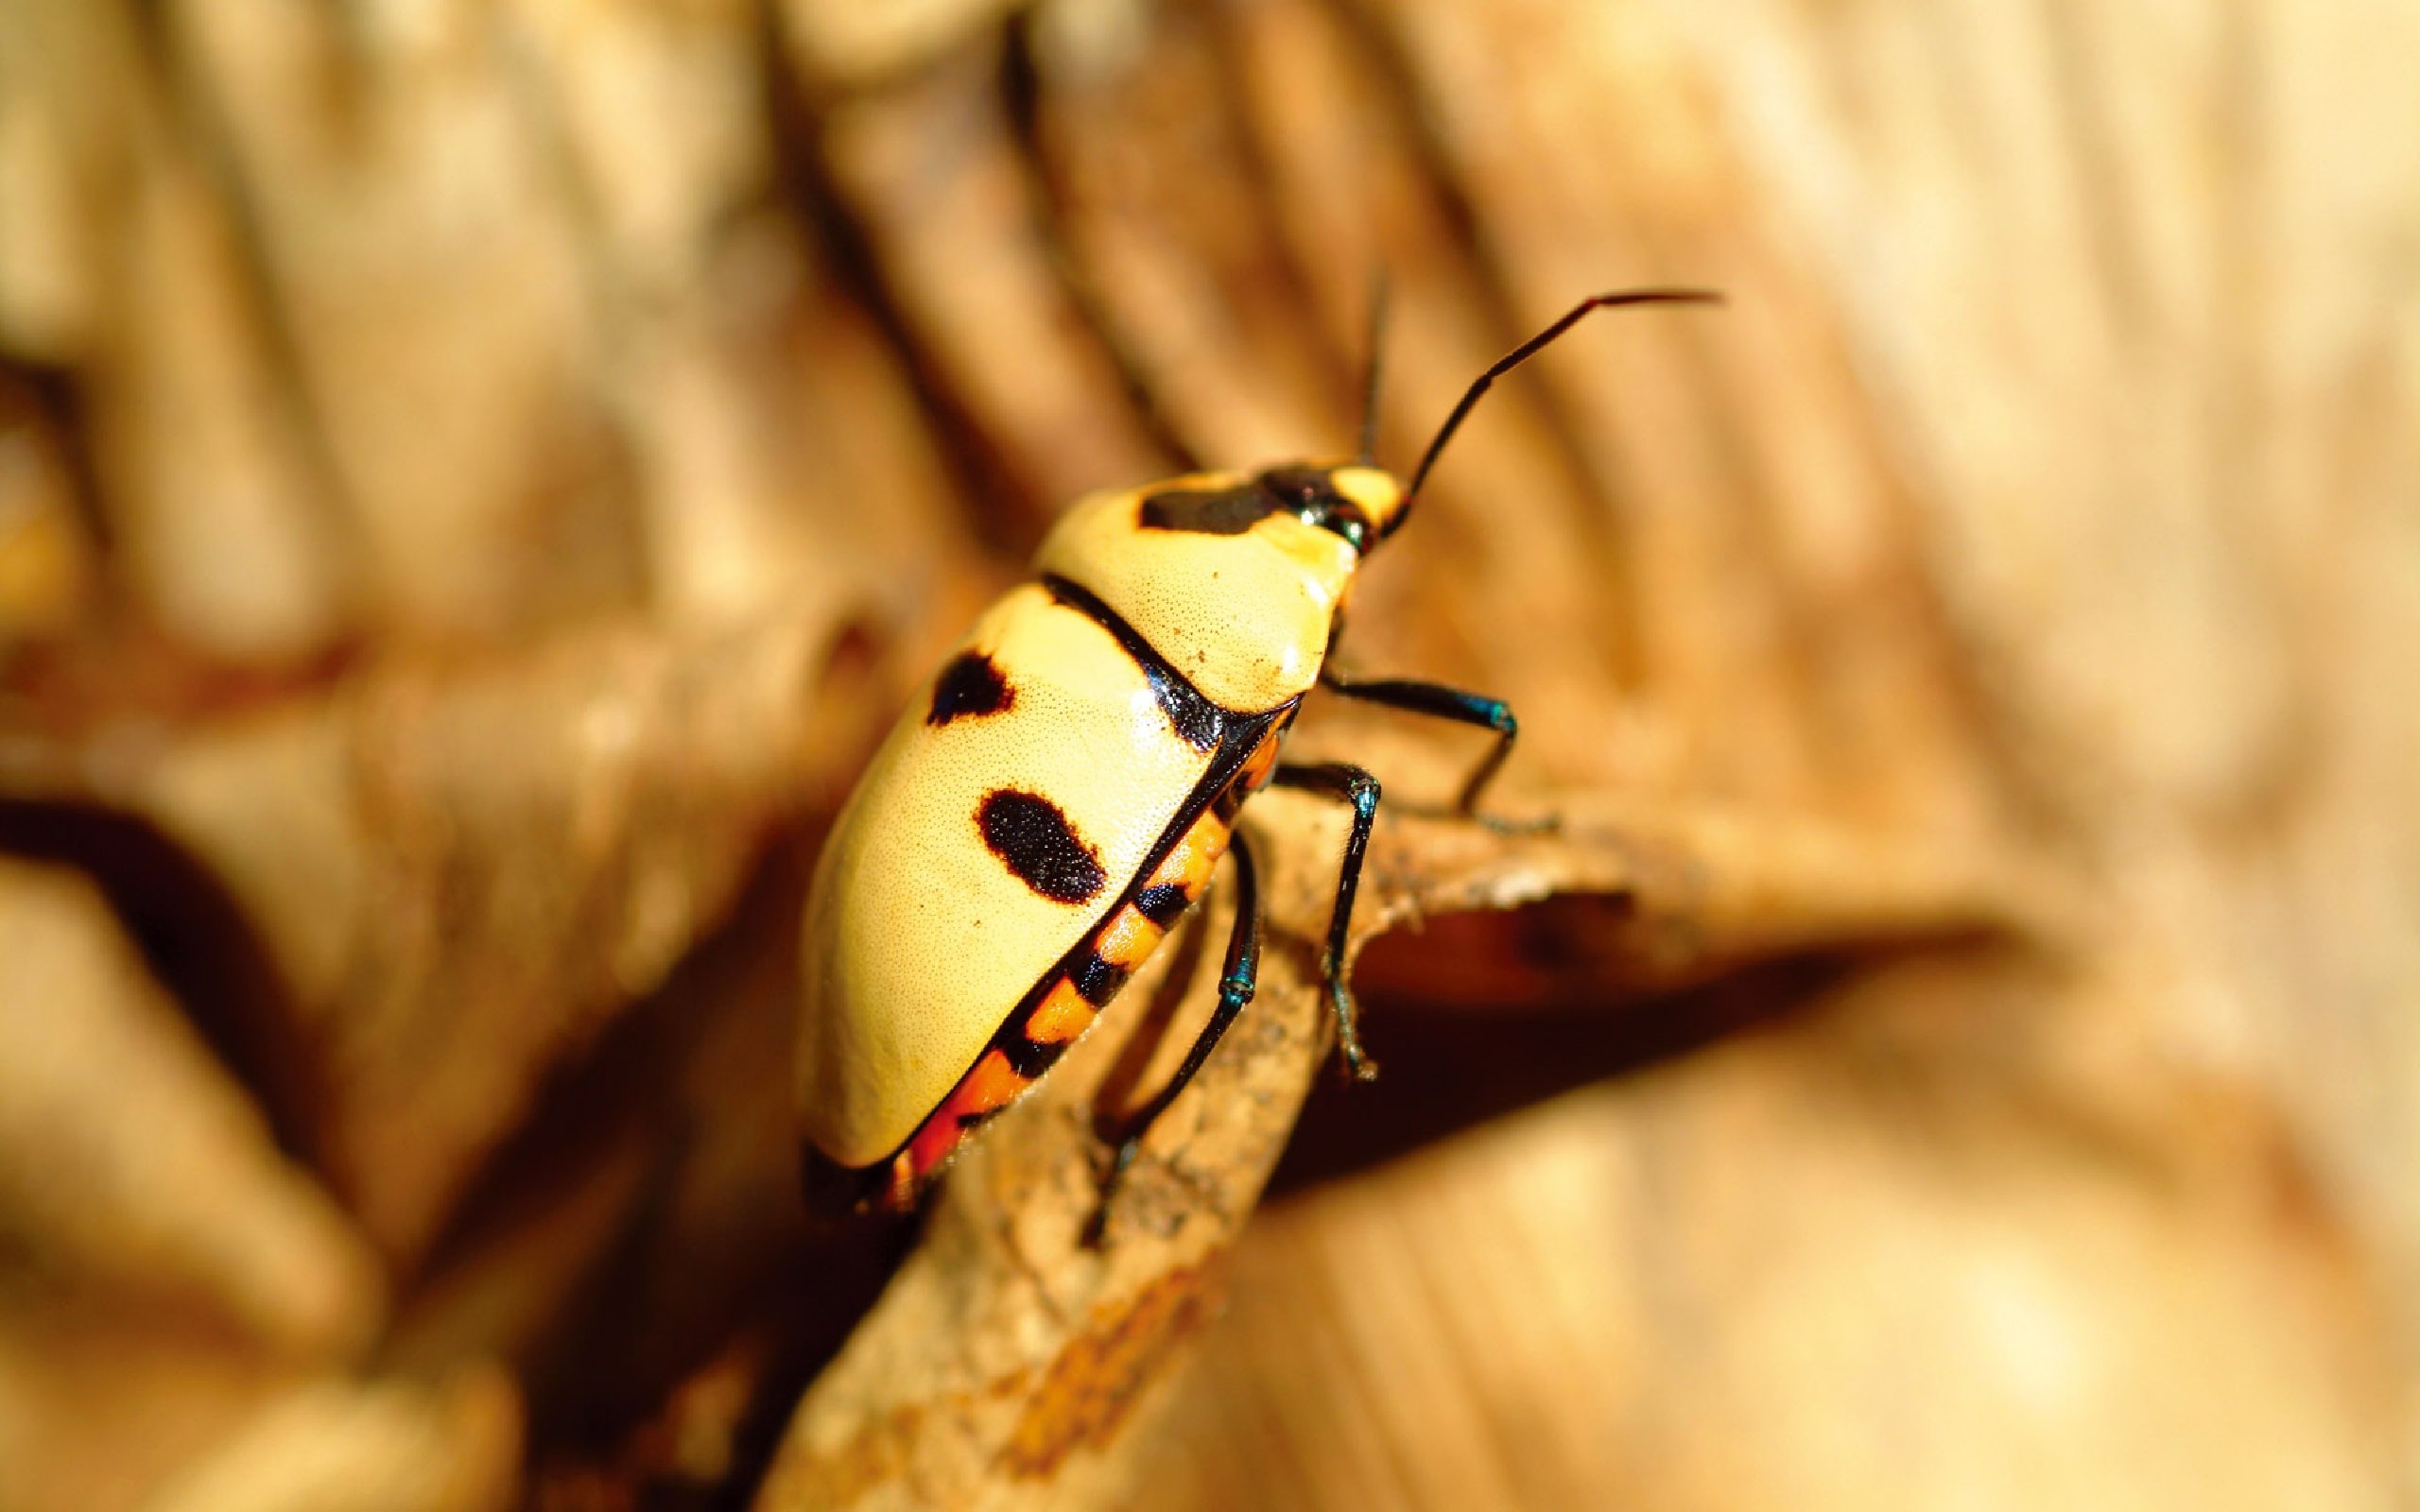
{"x":475,"y":481}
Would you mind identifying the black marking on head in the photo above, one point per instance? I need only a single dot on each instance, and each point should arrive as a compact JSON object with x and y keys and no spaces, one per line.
{"x":1098,"y":981}
{"x":981,"y":1117}
{"x":1028,"y":1057}
{"x":1198,"y":723}
{"x":1311,"y":493}
{"x":1228,"y":512}
{"x":971,"y":685}
{"x":1296,"y":487}
{"x":1164,"y":904}
{"x":1031,"y":837}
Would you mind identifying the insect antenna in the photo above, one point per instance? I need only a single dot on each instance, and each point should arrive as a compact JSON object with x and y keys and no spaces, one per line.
{"x":1524,"y":353}
{"x":1368,"y":454}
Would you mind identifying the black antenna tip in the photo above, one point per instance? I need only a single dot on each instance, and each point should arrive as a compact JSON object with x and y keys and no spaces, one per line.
{"x":1529,"y":349}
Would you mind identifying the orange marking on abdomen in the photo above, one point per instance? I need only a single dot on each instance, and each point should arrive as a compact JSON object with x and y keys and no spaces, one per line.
{"x":1189,"y":862}
{"x":1128,"y":939}
{"x":991,"y":1085}
{"x":1263,"y":761}
{"x":935,"y":1139}
{"x":1125,"y":940}
{"x":1061,"y":1015}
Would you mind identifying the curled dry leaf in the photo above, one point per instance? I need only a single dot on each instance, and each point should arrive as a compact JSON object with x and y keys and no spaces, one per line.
{"x":2048,"y":470}
{"x":418,"y":248}
{"x":128,"y":1161}
{"x":1007,"y":1349}
{"x":2111,"y":1287}
{"x":389,"y":1446}
{"x":932,"y":171}
{"x":100,"y":1399}
{"x":461,"y":873}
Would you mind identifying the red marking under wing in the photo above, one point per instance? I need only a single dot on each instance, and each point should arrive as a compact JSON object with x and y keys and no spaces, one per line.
{"x":1128,"y":939}
{"x":1061,"y":1016}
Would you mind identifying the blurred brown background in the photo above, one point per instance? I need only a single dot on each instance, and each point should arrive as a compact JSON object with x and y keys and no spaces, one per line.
{"x":476,"y":477}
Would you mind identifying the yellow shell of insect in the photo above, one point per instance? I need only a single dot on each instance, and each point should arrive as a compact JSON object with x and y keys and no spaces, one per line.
{"x":1065,"y":787}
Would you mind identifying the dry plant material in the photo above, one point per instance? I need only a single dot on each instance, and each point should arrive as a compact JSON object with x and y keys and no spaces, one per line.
{"x":141,"y":288}
{"x":1657,"y":1261}
{"x":390,"y":1447}
{"x":101,"y":1396}
{"x":439,"y":446}
{"x":1007,"y":1347}
{"x":420,"y":246}
{"x":931,"y":171}
{"x":169,"y":1268}
{"x":188,"y":1202}
{"x":47,"y":572}
{"x":460,"y":875}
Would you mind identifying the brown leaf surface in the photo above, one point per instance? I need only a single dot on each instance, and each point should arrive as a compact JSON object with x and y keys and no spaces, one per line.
{"x":189,"y":1202}
{"x":452,"y":1446}
{"x":1863,"y":1207}
{"x":473,"y":480}
{"x":1049,"y":1343}
{"x":461,"y":874}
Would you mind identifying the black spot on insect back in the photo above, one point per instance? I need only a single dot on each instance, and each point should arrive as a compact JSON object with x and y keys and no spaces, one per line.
{"x":1209,"y":511}
{"x":1032,"y":839}
{"x":969,"y":686}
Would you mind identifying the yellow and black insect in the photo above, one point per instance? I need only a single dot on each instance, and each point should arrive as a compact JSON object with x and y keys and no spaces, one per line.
{"x":1039,"y":820}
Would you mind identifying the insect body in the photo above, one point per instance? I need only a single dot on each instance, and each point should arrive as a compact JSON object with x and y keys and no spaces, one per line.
{"x":1064,"y":789}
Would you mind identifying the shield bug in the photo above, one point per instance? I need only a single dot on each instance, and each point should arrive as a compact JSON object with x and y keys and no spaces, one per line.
{"x":1066,"y":784}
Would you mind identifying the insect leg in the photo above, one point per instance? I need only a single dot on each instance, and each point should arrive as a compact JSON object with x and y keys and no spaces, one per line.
{"x":1359,"y":789}
{"x":1238,"y":979}
{"x":1443,"y":703}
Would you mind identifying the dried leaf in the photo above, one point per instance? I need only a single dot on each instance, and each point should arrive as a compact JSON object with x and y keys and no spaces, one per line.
{"x":840,"y":45}
{"x":100,"y":1401}
{"x":931,"y":171}
{"x":2103,"y":1300}
{"x":128,"y":1161}
{"x":385,"y":1447}
{"x":418,"y":243}
{"x":48,"y":575}
{"x":1007,"y":1349}
{"x":210,"y":492}
{"x":462,"y":874}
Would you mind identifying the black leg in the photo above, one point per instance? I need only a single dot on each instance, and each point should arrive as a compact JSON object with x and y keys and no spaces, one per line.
{"x":1359,"y":789}
{"x":1443,"y":703}
{"x":1237,"y":982}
